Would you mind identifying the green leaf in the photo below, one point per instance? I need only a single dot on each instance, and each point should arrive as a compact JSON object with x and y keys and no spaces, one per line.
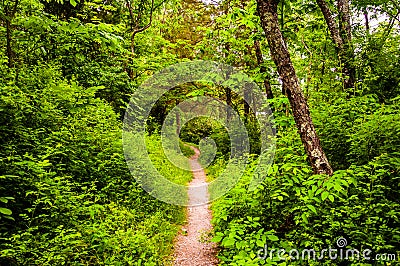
{"x":331,"y":198}
{"x":4,"y":200}
{"x":304,"y":217}
{"x":324,"y":195}
{"x":196,"y":93}
{"x":273,"y":237}
{"x":5,"y":211}
{"x":9,"y":218}
{"x":318,"y":191}
{"x":73,"y":3}
{"x":312,"y":208}
{"x":217,"y":238}
{"x":260,"y":243}
{"x":228,"y":242}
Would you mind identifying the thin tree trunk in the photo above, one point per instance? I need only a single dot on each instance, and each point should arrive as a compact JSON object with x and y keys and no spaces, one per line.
{"x":330,"y":21}
{"x":247,"y":101}
{"x":9,"y":17}
{"x":178,"y":119}
{"x":348,"y":69}
{"x":228,"y":94}
{"x":247,"y":95}
{"x":263,"y":69}
{"x":341,"y":38}
{"x":136,"y":21}
{"x":8,"y":39}
{"x":367,"y":28}
{"x":267,"y":11}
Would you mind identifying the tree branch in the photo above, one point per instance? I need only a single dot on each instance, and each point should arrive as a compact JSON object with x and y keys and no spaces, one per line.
{"x":148,"y":24}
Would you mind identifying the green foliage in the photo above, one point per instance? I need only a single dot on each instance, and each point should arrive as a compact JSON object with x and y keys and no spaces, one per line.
{"x":197,"y":129}
{"x":186,"y":150}
{"x":358,"y":129}
{"x":163,"y":164}
{"x":379,"y":66}
{"x":295,"y":209}
{"x":216,"y":168}
{"x":67,"y":196}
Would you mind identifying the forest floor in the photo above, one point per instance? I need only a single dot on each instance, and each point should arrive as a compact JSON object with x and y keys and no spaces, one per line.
{"x":192,"y":244}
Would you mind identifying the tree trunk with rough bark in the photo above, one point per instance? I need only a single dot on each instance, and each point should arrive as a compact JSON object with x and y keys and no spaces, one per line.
{"x":330,"y":21}
{"x":267,"y":11}
{"x":344,"y":19}
{"x":9,"y":16}
{"x":9,"y":51}
{"x":341,"y":36}
{"x":349,"y":71}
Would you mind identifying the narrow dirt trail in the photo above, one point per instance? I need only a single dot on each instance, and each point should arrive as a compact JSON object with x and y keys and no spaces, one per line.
{"x":191,"y":248}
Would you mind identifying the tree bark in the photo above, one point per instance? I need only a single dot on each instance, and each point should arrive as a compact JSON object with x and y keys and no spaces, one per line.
{"x":263,"y":70}
{"x":333,"y":29}
{"x":247,"y":100}
{"x":228,"y":94}
{"x":367,"y":28}
{"x":341,"y":37}
{"x":348,"y":69}
{"x":10,"y":14}
{"x":267,"y":10}
{"x":10,"y":54}
{"x":344,"y":19}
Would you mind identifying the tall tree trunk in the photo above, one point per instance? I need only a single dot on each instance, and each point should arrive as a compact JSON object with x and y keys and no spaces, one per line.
{"x":9,"y":51}
{"x":267,"y":10}
{"x":178,"y":119}
{"x":228,"y":94}
{"x":135,"y":20}
{"x":349,"y":71}
{"x":247,"y":100}
{"x":367,"y":28}
{"x":344,"y":19}
{"x":330,"y":21}
{"x":341,"y":38}
{"x":263,"y":69}
{"x":10,"y":14}
{"x":247,"y":95}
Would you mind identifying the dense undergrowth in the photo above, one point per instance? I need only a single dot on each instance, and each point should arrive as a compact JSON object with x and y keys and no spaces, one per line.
{"x":294,"y":209}
{"x":73,"y":200}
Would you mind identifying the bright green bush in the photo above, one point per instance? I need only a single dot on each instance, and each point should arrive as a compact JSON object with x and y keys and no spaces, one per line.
{"x":295,"y":209}
{"x":65,"y":179}
{"x":358,"y":129}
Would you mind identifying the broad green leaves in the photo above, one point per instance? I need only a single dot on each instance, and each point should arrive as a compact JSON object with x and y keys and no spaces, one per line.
{"x":309,"y":211}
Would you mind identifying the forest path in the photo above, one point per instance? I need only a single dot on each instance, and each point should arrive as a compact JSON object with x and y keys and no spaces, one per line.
{"x":193,"y":247}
